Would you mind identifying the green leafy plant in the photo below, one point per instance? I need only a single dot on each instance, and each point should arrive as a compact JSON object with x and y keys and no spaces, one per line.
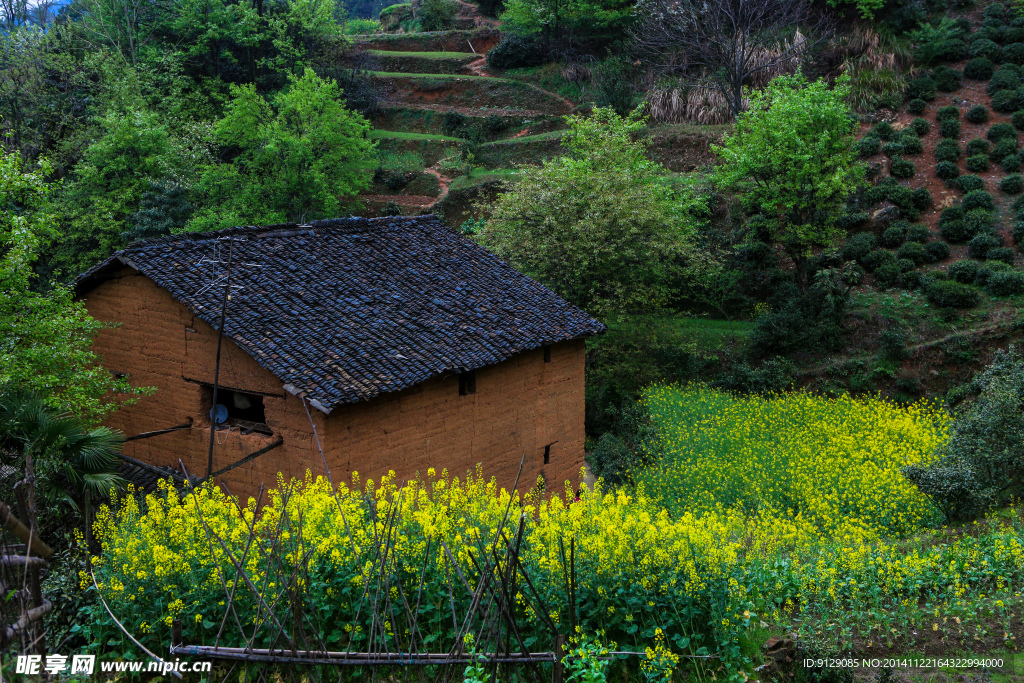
{"x":977,"y":114}
{"x":791,"y":157}
{"x":979,"y":69}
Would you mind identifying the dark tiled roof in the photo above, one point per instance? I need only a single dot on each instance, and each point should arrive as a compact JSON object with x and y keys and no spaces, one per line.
{"x":349,"y":309}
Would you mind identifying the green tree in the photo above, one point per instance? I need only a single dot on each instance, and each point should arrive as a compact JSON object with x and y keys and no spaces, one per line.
{"x":134,"y":150}
{"x":790,"y":159}
{"x":599,"y":226}
{"x":554,"y":19}
{"x":300,"y":158}
{"x":45,"y":339}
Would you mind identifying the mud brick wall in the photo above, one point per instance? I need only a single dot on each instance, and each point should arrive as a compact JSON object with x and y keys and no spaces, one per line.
{"x":519,"y":407}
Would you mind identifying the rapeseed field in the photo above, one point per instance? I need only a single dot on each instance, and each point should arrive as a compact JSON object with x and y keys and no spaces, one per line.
{"x":760,"y":515}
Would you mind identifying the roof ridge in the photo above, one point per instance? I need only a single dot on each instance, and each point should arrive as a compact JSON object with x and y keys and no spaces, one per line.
{"x":277,"y":229}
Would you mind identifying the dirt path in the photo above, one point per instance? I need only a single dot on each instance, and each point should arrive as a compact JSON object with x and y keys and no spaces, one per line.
{"x":442,"y":181}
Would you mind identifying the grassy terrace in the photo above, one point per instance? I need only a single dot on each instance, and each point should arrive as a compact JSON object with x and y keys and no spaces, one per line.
{"x":402,"y":135}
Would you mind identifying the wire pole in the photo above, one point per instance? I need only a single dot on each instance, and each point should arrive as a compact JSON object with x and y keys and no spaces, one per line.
{"x":216,"y":370}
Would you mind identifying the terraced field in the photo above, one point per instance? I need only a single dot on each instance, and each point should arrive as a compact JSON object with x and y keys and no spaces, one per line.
{"x":448,"y":118}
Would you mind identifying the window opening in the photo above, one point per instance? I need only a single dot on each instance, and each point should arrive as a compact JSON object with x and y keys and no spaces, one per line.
{"x":467,"y":383}
{"x":547,"y":454}
{"x":547,"y":354}
{"x":236,"y":409}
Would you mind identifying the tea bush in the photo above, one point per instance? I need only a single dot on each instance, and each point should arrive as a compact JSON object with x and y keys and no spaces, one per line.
{"x":947,"y":150}
{"x":978,"y":146}
{"x":979,"y":69}
{"x":949,"y":294}
{"x":937,"y":251}
{"x":978,"y":113}
{"x":919,"y":126}
{"x":949,"y":128}
{"x":947,"y":170}
{"x":917,"y":106}
{"x":1012,"y":184}
{"x":965,"y":271}
{"x":980,"y":245}
{"x":904,"y":168}
{"x":1002,"y":254}
{"x":970,"y":183}
{"x":978,"y":163}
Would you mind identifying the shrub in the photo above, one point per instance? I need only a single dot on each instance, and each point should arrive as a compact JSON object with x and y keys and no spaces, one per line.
{"x":954,"y":231}
{"x":1018,"y":232}
{"x":1003,"y":255}
{"x":969,"y":183}
{"x":910,"y":279}
{"x":905,"y":264}
{"x":979,"y":69}
{"x":949,"y":112}
{"x":1000,"y":131}
{"x":985,"y":49}
{"x":513,"y":52}
{"x":987,"y":33}
{"x":438,"y":15}
{"x":978,"y":199}
{"x":917,"y":106}
{"x":1006,"y":284}
{"x":981,"y":244}
{"x":883,"y":131}
{"x":1003,"y":79}
{"x":893,"y":149}
{"x":977,"y":114}
{"x":868,"y":146}
{"x":894,"y":236}
{"x":996,"y":10}
{"x":878,"y":258}
{"x":1018,"y":120}
{"x":946,"y":79}
{"x":980,"y":467}
{"x":947,"y":150}
{"x":937,"y":251}
{"x":858,"y":246}
{"x":923,"y":88}
{"x":1013,"y":35}
{"x":1003,"y":148}
{"x":1007,"y":101}
{"x":914,"y":252}
{"x":921,"y":198}
{"x":948,"y":294}
{"x":918,"y":233}
{"x":1012,"y":184}
{"x":1010,"y":163}
{"x":919,"y":126}
{"x":978,"y":221}
{"x":887,"y":275}
{"x":903,"y":168}
{"x":851,"y":221}
{"x":911,"y":143}
{"x":947,"y":170}
{"x":949,"y":128}
{"x":977,"y":163}
{"x":978,"y":146}
{"x":986,"y":272}
{"x":1014,"y":53}
{"x":964,"y":271}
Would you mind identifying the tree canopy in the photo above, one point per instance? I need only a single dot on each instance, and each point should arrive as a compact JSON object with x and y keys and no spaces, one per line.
{"x":301,"y":156}
{"x":791,"y":161}
{"x":600,"y":225}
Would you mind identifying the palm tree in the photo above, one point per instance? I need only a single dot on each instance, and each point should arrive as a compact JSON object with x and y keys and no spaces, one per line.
{"x":74,"y":463}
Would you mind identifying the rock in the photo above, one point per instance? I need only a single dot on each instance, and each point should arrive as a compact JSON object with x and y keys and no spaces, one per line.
{"x":883,"y":218}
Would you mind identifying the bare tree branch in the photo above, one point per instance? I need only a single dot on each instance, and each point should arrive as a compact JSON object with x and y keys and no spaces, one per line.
{"x":731,"y":43}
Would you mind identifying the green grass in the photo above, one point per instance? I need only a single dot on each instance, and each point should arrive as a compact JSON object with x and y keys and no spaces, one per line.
{"x":457,"y":56}
{"x":527,"y":139}
{"x":453,"y":77}
{"x":402,"y":135}
{"x":481,"y":176}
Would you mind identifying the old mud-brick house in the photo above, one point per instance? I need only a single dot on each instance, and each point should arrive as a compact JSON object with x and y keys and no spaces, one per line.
{"x":397,"y":343}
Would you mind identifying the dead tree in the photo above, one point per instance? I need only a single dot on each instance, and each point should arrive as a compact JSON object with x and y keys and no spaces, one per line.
{"x":730,"y":43}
